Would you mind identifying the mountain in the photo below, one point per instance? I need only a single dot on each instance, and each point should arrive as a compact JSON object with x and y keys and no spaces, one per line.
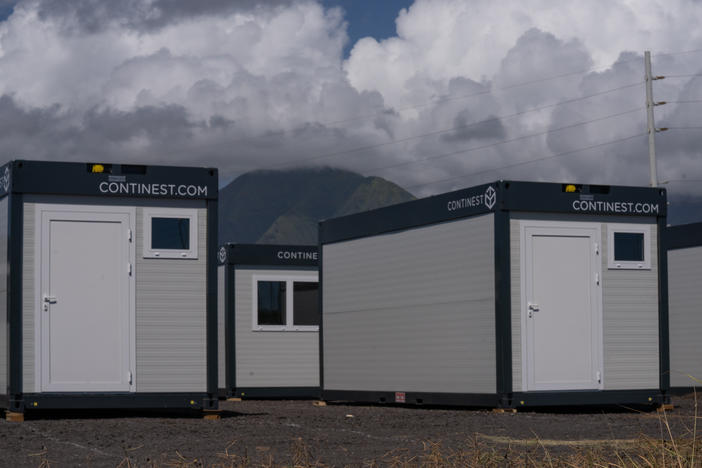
{"x":284,"y":207}
{"x":683,"y":210}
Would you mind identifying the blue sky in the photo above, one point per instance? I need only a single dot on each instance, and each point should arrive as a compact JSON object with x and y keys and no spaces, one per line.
{"x":5,"y":11}
{"x":369,"y":18}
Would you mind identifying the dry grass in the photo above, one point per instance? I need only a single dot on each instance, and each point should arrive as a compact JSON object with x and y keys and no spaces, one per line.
{"x":667,"y":451}
{"x":477,"y":452}
{"x":480,"y":451}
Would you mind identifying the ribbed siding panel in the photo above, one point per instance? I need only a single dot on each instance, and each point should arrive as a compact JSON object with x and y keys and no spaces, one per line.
{"x":3,"y":294}
{"x":221,"y":358}
{"x":412,"y":311}
{"x":516,"y":293}
{"x":271,"y":358}
{"x":685,"y":309}
{"x":630,"y":312}
{"x":630,"y":316}
{"x":171,"y":351}
{"x":28,"y":296}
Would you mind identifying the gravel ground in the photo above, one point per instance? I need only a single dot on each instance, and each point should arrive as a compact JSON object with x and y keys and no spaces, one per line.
{"x":290,"y":432}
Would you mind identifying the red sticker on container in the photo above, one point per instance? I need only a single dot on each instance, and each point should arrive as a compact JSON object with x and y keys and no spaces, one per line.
{"x":399,"y":397}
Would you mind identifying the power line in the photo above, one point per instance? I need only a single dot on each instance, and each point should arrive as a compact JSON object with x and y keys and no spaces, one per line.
{"x":680,"y":180}
{"x":689,"y":101}
{"x":531,"y":161}
{"x":459,"y":127}
{"x":383,"y":110}
{"x":511,"y":140}
{"x":692,"y":75}
{"x":693,"y":51}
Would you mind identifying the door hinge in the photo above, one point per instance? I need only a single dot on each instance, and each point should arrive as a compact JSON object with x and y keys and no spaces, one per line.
{"x":129,"y":235}
{"x":129,"y":377}
{"x":129,"y":268}
{"x":599,"y":377}
{"x":597,"y":248}
{"x":597,"y":279}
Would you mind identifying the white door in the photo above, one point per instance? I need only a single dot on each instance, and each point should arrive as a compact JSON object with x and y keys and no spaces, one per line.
{"x":85,"y":299}
{"x":561,"y":306}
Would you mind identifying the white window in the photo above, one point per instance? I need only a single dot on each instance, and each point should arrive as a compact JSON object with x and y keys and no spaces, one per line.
{"x":170,"y":232}
{"x":629,"y":247}
{"x":283,"y":303}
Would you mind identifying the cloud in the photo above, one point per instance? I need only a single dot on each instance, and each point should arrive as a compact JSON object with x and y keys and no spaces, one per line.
{"x":91,"y":16}
{"x":465,"y":93}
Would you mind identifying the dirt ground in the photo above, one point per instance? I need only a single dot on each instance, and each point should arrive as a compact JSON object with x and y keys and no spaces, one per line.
{"x":298,"y":432}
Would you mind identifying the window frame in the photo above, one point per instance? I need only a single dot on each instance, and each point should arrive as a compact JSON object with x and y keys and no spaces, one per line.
{"x":644,"y":229}
{"x":290,"y":281}
{"x":186,"y":213}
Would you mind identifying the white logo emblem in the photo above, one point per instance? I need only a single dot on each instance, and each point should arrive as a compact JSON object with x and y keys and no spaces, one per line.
{"x":5,"y":180}
{"x":222,"y":255}
{"x":490,"y":197}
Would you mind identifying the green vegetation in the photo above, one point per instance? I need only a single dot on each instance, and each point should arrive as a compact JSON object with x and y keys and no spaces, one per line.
{"x":284,"y":207}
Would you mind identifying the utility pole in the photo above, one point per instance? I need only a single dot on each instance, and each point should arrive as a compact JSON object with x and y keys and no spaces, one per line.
{"x":651,"y":123}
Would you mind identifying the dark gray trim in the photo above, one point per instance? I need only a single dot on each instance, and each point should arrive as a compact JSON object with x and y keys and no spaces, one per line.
{"x":275,"y":268}
{"x":229,"y":329}
{"x":190,"y":400}
{"x":211,"y":300}
{"x":652,"y":397}
{"x":505,"y":195}
{"x":269,"y":254}
{"x":683,"y":236}
{"x":453,"y":205}
{"x":503,"y":305}
{"x":320,"y":299}
{"x":5,"y":179}
{"x":414,"y":398}
{"x":8,"y":302}
{"x":14,"y":295}
{"x":64,"y":178}
{"x":590,"y":199}
{"x":678,"y":391}
{"x":663,"y":326}
{"x":277,"y":392}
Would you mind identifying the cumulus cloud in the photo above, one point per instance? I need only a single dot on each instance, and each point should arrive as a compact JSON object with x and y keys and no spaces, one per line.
{"x":92,"y":16}
{"x":466,"y":92}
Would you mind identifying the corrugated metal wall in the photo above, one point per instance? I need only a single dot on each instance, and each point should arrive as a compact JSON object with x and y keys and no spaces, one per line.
{"x":171,"y":337}
{"x":516,"y":298}
{"x":412,"y":311}
{"x":170,"y":312}
{"x":630,"y":306}
{"x":28,"y":297}
{"x":271,"y":358}
{"x":685,"y":308}
{"x":630,"y":314}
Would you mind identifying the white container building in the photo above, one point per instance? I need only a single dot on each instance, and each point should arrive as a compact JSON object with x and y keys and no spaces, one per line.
{"x":268,"y":321}
{"x":684,"y":244}
{"x":507,"y":294}
{"x":109,"y":293}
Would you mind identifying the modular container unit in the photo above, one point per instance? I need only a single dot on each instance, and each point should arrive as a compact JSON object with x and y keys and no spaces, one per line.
{"x":268,"y":321}
{"x":507,"y":294}
{"x":684,"y":245}
{"x":109,"y":292}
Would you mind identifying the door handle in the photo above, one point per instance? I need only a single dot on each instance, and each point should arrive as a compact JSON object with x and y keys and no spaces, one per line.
{"x":531,"y":309}
{"x":50,"y":299}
